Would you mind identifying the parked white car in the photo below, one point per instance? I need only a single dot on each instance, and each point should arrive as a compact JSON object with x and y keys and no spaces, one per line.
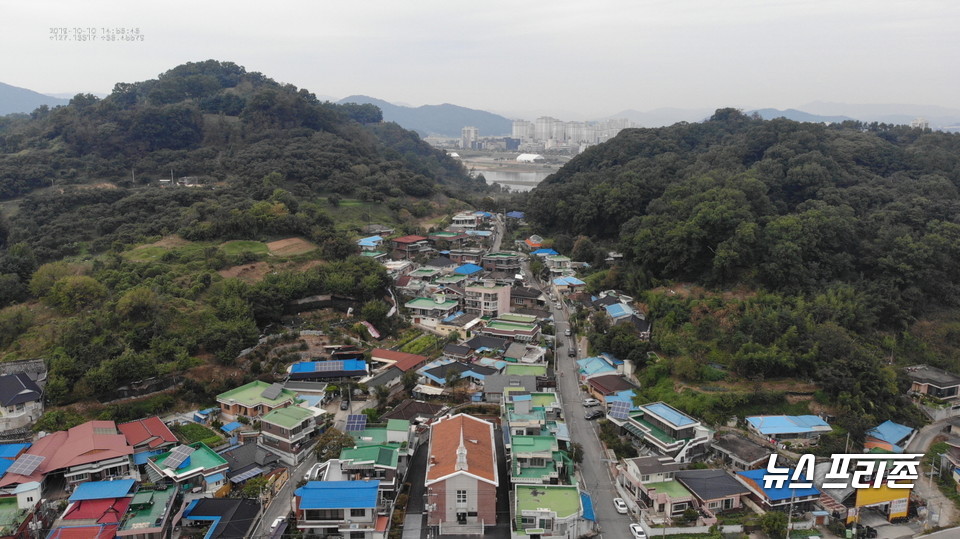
{"x":587,"y":403}
{"x":637,"y":531}
{"x":620,"y":505}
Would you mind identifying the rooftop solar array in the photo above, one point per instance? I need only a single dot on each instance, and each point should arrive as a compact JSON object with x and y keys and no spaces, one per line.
{"x":327,"y":366}
{"x":272,"y":392}
{"x":356,"y":422}
{"x":620,"y":410}
{"x":178,"y":456}
{"x":252,"y":472}
{"x":26,"y":464}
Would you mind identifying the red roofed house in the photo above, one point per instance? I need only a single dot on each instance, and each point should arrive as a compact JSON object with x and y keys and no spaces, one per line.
{"x":93,"y":451}
{"x":400,"y":360}
{"x":462,"y":475}
{"x":407,"y":247}
{"x":147,"y":435}
{"x":607,"y":384}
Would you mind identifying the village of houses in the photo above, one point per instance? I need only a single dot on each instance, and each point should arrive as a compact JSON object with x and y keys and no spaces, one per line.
{"x":516,"y":454}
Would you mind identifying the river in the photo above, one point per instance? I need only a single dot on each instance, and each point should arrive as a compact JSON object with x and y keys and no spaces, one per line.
{"x":516,"y":181}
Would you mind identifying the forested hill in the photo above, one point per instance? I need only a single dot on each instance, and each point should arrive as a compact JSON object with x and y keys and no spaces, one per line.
{"x":216,"y":120}
{"x":777,"y":250}
{"x":786,"y":206}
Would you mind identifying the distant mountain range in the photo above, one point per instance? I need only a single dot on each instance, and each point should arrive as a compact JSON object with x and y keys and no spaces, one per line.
{"x":14,"y":99}
{"x":444,"y":120}
{"x":799,"y":116}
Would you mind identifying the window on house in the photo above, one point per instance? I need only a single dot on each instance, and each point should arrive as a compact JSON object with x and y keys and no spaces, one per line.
{"x":461,"y":497}
{"x":728,"y":503}
{"x":358,"y":535}
{"x":714,"y":505}
{"x":528,"y":521}
{"x":645,"y":478}
{"x":358,"y":513}
{"x":537,"y":462}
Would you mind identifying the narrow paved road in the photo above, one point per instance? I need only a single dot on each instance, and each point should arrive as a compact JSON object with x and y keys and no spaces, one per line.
{"x":594,"y":468}
{"x":925,"y":488}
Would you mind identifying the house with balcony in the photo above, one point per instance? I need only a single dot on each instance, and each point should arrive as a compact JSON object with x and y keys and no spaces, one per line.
{"x":465,"y":220}
{"x":289,"y":433}
{"x":667,"y":431}
{"x":407,"y":247}
{"x":466,"y":255}
{"x":503,"y":261}
{"x":558,"y":264}
{"x":487,"y":298}
{"x":254,"y":400}
{"x":341,"y":509}
{"x":512,"y":326}
{"x":21,"y":401}
{"x":92,"y":451}
{"x":192,"y":466}
{"x":430,"y":311}
{"x":534,"y":414}
{"x":462,"y":478}
{"x":538,"y":460}
{"x":548,"y":511}
{"x":651,"y":482}
{"x":933,"y":382}
{"x":368,"y":462}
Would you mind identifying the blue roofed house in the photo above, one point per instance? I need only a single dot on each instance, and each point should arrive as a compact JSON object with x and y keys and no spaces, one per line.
{"x":788,"y":427}
{"x":568,"y":285}
{"x":889,"y":436}
{"x":667,"y":431}
{"x":371,"y":243}
{"x":342,"y":509}
{"x":468,"y":269}
{"x":589,"y":367}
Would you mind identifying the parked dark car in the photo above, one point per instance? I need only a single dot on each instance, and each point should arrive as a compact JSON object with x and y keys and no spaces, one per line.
{"x":593,"y":414}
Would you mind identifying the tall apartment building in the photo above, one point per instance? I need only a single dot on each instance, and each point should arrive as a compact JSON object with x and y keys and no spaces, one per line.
{"x":469,"y":136}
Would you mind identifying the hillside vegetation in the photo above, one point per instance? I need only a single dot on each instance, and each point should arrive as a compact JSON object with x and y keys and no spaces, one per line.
{"x":842,"y":238}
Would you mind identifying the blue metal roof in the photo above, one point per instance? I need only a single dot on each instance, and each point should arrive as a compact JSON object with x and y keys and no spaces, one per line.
{"x":468,"y":269}
{"x":594,"y":365}
{"x":102,"y":490}
{"x":587,"y":504}
{"x":892,"y":433}
{"x":515,"y":214}
{"x":230,"y":427}
{"x":619,"y":310}
{"x":611,"y":359}
{"x":521,"y":398}
{"x":338,"y":494}
{"x":670,"y":414}
{"x":778,"y":494}
{"x":4,"y":464}
{"x":314,"y":366}
{"x":483,"y":214}
{"x":143,"y":457}
{"x":371,"y":241}
{"x":568,"y":281}
{"x":482,"y":233}
{"x":215,"y":478}
{"x":10,"y":451}
{"x":544,"y":252}
{"x":787,"y":424}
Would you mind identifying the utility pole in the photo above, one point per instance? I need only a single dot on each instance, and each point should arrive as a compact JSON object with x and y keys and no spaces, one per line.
{"x":793,"y":493}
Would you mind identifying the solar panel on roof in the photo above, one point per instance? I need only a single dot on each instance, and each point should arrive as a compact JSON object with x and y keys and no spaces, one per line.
{"x":356,"y":422}
{"x":272,"y":392}
{"x":178,"y":455}
{"x":252,"y":472}
{"x":327,"y":366}
{"x":620,"y":410}
{"x":25,"y":465}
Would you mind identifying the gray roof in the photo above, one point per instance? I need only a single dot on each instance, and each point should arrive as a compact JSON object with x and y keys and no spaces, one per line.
{"x":481,"y":341}
{"x":516,"y":350}
{"x":411,"y":409}
{"x":497,"y":382}
{"x":742,"y":448}
{"x":305,"y":386}
{"x":456,"y":350}
{"x":385,"y":377}
{"x":18,"y":389}
{"x":925,"y":374}
{"x":820,"y":472}
{"x":654,"y":465}
{"x":524,"y":292}
{"x":710,"y":484}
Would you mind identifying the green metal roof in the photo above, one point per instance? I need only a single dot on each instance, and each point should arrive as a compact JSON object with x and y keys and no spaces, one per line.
{"x":147,"y":515}
{"x":671,"y":488}
{"x":288,"y":417}
{"x":532,"y":444}
{"x":533,"y":370}
{"x":429,"y":303}
{"x":251,"y":395}
{"x":203,"y":458}
{"x":381,"y":455}
{"x":564,"y":500}
{"x":398,"y":425}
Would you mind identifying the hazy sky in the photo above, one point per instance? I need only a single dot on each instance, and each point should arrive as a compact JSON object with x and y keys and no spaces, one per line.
{"x":586,"y":58}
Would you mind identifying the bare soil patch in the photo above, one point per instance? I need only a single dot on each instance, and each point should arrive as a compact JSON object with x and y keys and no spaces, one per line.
{"x":290,"y":247}
{"x":248,"y":273}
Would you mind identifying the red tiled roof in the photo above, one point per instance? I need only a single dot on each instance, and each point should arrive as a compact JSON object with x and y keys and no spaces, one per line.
{"x":92,"y":441}
{"x":382,"y":523}
{"x":151,"y":431}
{"x":402,"y":281}
{"x":532,"y":243}
{"x":409,"y":239}
{"x":477,"y":436}
{"x":107,"y":511}
{"x":402,"y":360}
